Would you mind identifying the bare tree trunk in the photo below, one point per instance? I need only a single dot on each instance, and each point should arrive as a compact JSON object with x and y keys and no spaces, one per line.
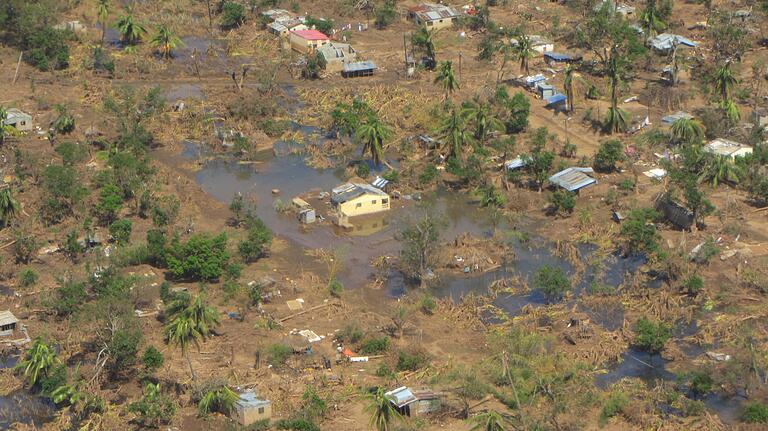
{"x":189,"y":362}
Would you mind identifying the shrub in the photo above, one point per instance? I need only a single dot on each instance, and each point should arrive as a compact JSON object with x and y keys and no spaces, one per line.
{"x":232,"y":14}
{"x":639,"y":234}
{"x":756,"y":413}
{"x":55,"y":377}
{"x":47,"y":49}
{"x":384,"y":371}
{"x":24,"y":246}
{"x":693,"y":407}
{"x":164,"y":211}
{"x":552,"y":281}
{"x":411,"y":361}
{"x":202,"y":257}
{"x":255,"y":293}
{"x":374,"y":346}
{"x":651,"y":336}
{"x":336,"y":288}
{"x":110,"y":202}
{"x":65,"y":122}
{"x":626,"y":185}
{"x":68,"y":298}
{"x":297,"y":424}
{"x":71,"y":153}
{"x":124,"y":348}
{"x":363,"y":170}
{"x":156,"y":252}
{"x":322,"y":25}
{"x":121,"y":231}
{"x":563,"y":201}
{"x":351,"y":333}
{"x":27,"y":277}
{"x":429,"y":174}
{"x":615,"y":403}
{"x":277,"y":354}
{"x":427,"y":304}
{"x":693,"y":284}
{"x":153,"y":408}
{"x":701,"y":382}
{"x":518,"y":107}
{"x":385,"y":16}
{"x":152,"y":359}
{"x":393,"y":176}
{"x":608,"y":155}
{"x":258,"y":238}
{"x":217,"y":398}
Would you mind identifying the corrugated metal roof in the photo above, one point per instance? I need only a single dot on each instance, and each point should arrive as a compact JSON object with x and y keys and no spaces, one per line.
{"x":726,"y":147}
{"x":666,"y":41}
{"x":348,"y":193}
{"x":433,"y":12}
{"x":379,"y":182}
{"x":401,"y":396}
{"x":7,"y":318}
{"x":359,"y":66}
{"x":13,"y":115}
{"x":556,"y":56}
{"x":671,"y":118}
{"x":310,"y":34}
{"x":573,"y":179}
{"x":531,"y":80}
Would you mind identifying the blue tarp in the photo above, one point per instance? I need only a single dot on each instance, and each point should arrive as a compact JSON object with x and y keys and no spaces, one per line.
{"x":555,"y":99}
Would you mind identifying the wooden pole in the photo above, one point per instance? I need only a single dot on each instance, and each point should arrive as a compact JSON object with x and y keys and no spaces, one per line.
{"x":15,"y":75}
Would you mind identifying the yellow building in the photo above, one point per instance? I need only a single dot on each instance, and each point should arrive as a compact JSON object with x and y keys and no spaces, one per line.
{"x":433,"y":16}
{"x":306,"y":41}
{"x":249,"y":409}
{"x":358,"y":199}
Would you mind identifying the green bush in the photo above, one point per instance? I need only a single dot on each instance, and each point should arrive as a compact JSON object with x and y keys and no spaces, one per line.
{"x":156,"y":252}
{"x":277,"y":354}
{"x":385,"y":16}
{"x":693,"y":284}
{"x":110,"y":202}
{"x":27,"y":277}
{"x":121,"y":231}
{"x":164,"y":211}
{"x":336,"y":288}
{"x":232,"y":14}
{"x":363,"y":170}
{"x":124,"y":348}
{"x":552,"y":281}
{"x":68,"y":298}
{"x":152,"y":359}
{"x":427,"y":304}
{"x":55,"y":377}
{"x":47,"y":49}
{"x":701,"y":382}
{"x":563,"y":201}
{"x":638,"y":231}
{"x":756,"y":413}
{"x":375,"y":346}
{"x":297,"y":424}
{"x":202,"y":257}
{"x":608,"y":155}
{"x":71,"y":153}
{"x":392,"y":176}
{"x":351,"y":333}
{"x":651,"y":336}
{"x":322,"y":25}
{"x":429,"y":174}
{"x":384,"y":371}
{"x":518,"y":110}
{"x":614,"y":405}
{"x":411,"y":361}
{"x":257,"y":240}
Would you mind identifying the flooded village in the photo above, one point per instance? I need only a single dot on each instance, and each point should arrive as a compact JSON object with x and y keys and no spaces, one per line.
{"x":381,"y":215}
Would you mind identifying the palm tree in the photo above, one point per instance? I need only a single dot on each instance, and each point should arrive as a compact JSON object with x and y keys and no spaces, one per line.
{"x":568,"y":84}
{"x":221,"y":399}
{"x":423,"y":39}
{"x":687,"y":131}
{"x":40,"y":358}
{"x":382,"y":411}
{"x":9,"y":207}
{"x":447,"y":79}
{"x":524,"y":51}
{"x":454,"y":131}
{"x":373,"y":133}
{"x":191,"y":325}
{"x":718,"y":169}
{"x":616,"y":119}
{"x":731,"y":110}
{"x":102,"y":10}
{"x":131,"y":30}
{"x":490,"y":420}
{"x":483,"y":119}
{"x":651,"y":19}
{"x":724,"y":81}
{"x":165,"y":41}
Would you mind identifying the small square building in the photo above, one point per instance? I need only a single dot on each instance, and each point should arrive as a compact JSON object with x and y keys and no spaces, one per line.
{"x":249,"y":409}
{"x":18,"y":119}
{"x":359,"y":199}
{"x":307,"y":41}
{"x":8,"y":323}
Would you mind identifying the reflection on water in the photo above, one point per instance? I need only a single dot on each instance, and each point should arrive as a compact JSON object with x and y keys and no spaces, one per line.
{"x":21,"y":407}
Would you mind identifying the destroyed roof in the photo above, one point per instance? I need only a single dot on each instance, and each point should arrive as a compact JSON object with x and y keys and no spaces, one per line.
{"x":335,"y":50}
{"x":573,"y":179}
{"x":667,"y":41}
{"x":726,"y":147}
{"x":433,"y":12}
{"x":534,"y":39}
{"x":679,"y":115}
{"x":514,"y":164}
{"x":275,"y":12}
{"x":350,"y":191}
{"x":401,"y":396}
{"x":310,"y":34}
{"x":249,"y":399}
{"x":7,"y":318}
{"x":674,"y":212}
{"x":530,"y":80}
{"x":13,"y":115}
{"x":621,"y":8}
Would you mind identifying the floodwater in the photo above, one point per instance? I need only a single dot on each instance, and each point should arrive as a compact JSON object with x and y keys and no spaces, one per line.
{"x":21,"y":407}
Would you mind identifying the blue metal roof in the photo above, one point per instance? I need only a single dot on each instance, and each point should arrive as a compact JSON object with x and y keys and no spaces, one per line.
{"x":556,"y":98}
{"x":359,"y":66}
{"x":573,"y":179}
{"x":556,"y":56}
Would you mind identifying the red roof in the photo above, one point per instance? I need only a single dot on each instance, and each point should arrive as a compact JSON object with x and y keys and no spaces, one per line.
{"x":310,"y":34}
